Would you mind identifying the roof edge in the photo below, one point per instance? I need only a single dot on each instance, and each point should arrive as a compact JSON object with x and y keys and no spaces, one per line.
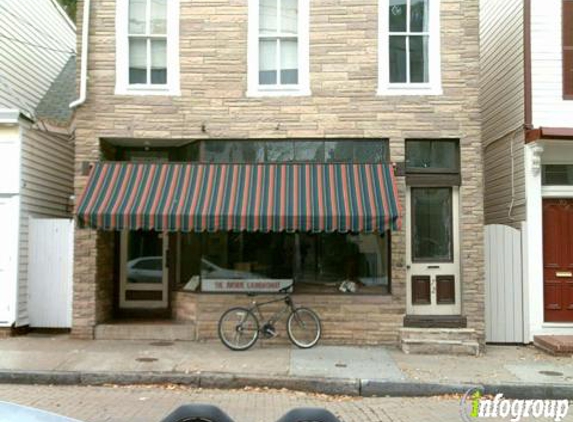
{"x":61,"y":10}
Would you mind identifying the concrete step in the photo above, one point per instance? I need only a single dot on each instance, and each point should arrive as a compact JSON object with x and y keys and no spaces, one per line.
{"x":462,"y":334}
{"x":165,"y":331}
{"x":440,"y":347}
{"x":448,"y":341}
{"x":556,"y":345}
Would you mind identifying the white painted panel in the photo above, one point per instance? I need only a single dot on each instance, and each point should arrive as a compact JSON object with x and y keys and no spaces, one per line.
{"x":504,"y":285}
{"x":9,"y":166}
{"x":8,"y":259}
{"x":50,"y":273}
{"x":549,"y":108}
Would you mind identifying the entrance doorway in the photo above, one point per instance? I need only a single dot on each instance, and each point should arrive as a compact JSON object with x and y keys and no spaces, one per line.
{"x":433,"y":271}
{"x":558,"y":259}
{"x":144,"y":273}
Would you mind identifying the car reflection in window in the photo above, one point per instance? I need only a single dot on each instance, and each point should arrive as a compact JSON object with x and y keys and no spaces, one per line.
{"x":148,"y":269}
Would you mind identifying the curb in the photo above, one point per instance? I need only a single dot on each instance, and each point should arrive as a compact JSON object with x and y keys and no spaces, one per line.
{"x":330,"y":386}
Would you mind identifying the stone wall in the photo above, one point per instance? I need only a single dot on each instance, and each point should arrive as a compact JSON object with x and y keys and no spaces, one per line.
{"x":343,"y":81}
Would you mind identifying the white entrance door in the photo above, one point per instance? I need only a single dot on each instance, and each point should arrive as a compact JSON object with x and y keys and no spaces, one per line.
{"x":8,"y":258}
{"x":433,"y":269}
{"x":144,"y":273}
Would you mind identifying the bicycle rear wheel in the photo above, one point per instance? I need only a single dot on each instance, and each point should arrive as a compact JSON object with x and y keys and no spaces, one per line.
{"x":303,"y":328}
{"x":238,"y":329}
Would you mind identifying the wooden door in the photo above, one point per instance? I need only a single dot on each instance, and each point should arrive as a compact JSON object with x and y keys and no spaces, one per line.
{"x":433,"y":251}
{"x":558,"y":259}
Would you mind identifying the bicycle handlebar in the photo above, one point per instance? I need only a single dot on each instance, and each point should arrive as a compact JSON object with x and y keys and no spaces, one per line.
{"x":284,"y":290}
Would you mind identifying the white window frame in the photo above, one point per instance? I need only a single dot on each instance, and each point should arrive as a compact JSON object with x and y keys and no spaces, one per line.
{"x":122,"y":85}
{"x":303,"y":86}
{"x":434,"y":86}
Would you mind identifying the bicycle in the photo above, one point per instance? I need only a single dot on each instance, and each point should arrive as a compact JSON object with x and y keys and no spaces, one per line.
{"x":239,"y":327}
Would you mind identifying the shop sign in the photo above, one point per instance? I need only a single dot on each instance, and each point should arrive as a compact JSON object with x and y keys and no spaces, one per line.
{"x":244,"y":286}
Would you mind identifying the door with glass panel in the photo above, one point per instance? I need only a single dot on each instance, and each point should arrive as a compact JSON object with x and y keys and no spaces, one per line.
{"x":433,"y":272}
{"x":144,"y":273}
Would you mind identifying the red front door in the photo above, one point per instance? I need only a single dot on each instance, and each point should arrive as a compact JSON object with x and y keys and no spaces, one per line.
{"x":558,"y":259}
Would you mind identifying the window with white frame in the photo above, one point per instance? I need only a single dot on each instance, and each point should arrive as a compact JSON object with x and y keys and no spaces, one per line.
{"x":147,"y":47}
{"x":278,"y":47}
{"x":409,"y":47}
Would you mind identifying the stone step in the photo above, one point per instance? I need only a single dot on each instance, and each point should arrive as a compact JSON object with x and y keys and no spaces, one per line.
{"x":462,"y":334}
{"x":557,"y":345}
{"x":440,"y":347}
{"x":168,"y":331}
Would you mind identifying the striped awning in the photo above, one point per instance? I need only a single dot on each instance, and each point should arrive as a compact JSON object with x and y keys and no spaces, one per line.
{"x":201,"y":197}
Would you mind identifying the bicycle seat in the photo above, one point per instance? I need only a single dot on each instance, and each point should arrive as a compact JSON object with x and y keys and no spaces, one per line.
{"x":286,"y":289}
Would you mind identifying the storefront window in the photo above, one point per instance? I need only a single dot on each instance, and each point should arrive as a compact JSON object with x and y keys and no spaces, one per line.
{"x":339,"y":152}
{"x":324,"y":261}
{"x":280,"y":152}
{"x":309,"y":152}
{"x":283,"y":151}
{"x":316,"y":262}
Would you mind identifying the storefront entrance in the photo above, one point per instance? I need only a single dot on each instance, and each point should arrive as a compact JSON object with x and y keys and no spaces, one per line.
{"x":433,"y":271}
{"x":144,"y":275}
{"x":558,"y":259}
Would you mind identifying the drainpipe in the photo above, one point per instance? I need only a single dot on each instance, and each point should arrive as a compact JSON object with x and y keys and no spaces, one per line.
{"x":528,"y":118}
{"x":85,"y":44}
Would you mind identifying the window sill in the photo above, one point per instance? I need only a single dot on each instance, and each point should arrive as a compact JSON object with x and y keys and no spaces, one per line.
{"x":398,"y":91}
{"x":279,"y":93}
{"x":148,"y":91}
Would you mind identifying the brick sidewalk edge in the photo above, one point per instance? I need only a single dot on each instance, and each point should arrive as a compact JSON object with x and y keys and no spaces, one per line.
{"x":331,"y":386}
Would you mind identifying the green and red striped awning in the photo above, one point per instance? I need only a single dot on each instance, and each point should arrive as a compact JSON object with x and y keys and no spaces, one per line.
{"x":202,"y":197}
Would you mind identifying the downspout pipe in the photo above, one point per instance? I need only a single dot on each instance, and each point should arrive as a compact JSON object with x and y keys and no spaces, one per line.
{"x":84,"y":58}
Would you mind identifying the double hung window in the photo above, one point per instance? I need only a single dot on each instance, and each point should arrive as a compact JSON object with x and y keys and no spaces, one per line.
{"x":147,"y":47}
{"x":409,"y":47}
{"x":278,"y":47}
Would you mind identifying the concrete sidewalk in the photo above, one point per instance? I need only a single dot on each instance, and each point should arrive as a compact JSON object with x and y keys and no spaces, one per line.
{"x":39,"y":358}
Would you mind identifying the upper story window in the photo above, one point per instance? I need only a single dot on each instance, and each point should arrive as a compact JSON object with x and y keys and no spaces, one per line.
{"x":567,"y":49}
{"x":147,"y":44}
{"x":409,"y":47}
{"x":278,"y":48}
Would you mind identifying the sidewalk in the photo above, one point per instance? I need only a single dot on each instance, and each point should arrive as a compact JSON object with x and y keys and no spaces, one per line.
{"x":57,"y":359}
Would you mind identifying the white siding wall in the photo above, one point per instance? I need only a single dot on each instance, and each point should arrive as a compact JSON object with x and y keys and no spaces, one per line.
{"x":503,"y":107}
{"x":504,"y":179}
{"x":47,"y":183}
{"x":502,"y":67}
{"x":29,"y":58}
{"x":549,"y":108}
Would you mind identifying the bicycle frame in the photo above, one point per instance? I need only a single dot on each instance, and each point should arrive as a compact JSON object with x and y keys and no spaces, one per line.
{"x":255,"y":308}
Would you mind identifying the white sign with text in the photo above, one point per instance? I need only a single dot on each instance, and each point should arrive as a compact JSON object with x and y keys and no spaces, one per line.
{"x":243,"y":286}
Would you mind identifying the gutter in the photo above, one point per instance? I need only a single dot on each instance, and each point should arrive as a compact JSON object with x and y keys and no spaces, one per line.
{"x":84,"y":58}
{"x":9,"y":116}
{"x":528,"y":118}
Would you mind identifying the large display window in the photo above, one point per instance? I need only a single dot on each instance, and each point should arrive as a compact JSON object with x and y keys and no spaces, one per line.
{"x":322,"y":263}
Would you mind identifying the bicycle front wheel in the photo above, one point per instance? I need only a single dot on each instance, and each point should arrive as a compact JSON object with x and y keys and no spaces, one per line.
{"x":303,"y":328}
{"x":238,"y":329}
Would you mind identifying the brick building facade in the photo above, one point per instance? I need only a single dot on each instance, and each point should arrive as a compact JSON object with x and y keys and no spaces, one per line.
{"x":344,"y":102}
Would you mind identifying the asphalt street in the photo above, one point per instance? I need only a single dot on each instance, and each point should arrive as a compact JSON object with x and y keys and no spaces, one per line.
{"x":152,"y":403}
